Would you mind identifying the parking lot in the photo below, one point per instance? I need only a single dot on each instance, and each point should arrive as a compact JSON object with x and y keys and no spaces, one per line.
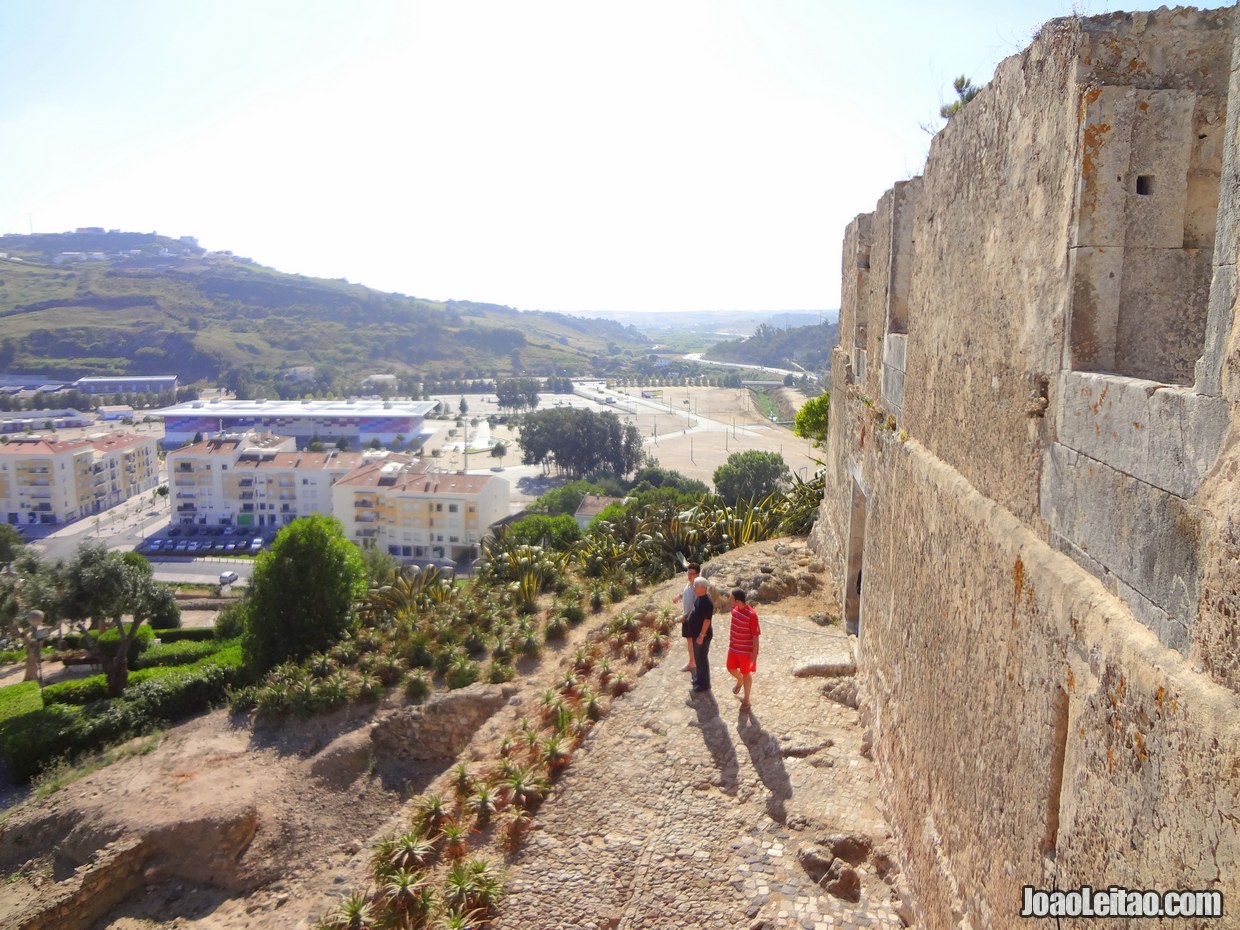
{"x":194,"y":541}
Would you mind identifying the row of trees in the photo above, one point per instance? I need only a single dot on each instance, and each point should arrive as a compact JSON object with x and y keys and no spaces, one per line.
{"x":518,"y":393}
{"x":581,"y":442}
{"x":76,"y":400}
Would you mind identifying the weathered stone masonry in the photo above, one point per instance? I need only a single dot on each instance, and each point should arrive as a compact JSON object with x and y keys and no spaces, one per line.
{"x":1033,"y":466}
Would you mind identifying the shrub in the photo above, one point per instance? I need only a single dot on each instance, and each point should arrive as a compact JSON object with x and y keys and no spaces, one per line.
{"x":462,"y":672}
{"x":109,"y":641}
{"x":302,"y":593}
{"x":417,"y":686}
{"x":167,"y":614}
{"x":176,"y":653}
{"x":78,"y":691}
{"x":19,"y":699}
{"x":192,"y":634}
{"x":230,"y":622}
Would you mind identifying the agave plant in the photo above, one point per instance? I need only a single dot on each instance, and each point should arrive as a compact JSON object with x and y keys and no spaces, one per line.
{"x":516,"y":825}
{"x":461,"y":920}
{"x":484,"y":803}
{"x":556,"y":753}
{"x":524,"y":788}
{"x":409,"y":894}
{"x":433,"y":812}
{"x":455,"y":838}
{"x":463,"y":780}
{"x":411,"y":850}
{"x":408,"y":593}
{"x":354,"y":912}
{"x":583,"y":660}
{"x":569,"y":684}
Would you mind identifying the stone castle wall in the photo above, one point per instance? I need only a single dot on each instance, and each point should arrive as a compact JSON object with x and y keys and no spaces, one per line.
{"x":1031,"y":516}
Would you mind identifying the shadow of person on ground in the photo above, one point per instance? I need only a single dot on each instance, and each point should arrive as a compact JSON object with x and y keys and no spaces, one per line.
{"x":768,"y":761}
{"x":715,"y":735}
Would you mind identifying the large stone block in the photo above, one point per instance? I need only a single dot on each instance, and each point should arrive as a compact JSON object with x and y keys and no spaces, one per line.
{"x":1144,"y":536}
{"x":1165,"y":437}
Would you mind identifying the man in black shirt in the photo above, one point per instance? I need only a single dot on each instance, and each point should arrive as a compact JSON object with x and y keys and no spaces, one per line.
{"x":700,"y":632}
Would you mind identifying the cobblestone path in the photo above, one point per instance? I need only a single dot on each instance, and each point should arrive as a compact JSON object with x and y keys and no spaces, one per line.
{"x":682,"y":811}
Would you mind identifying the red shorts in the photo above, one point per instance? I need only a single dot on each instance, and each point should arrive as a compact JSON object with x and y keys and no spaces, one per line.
{"x":742,"y":662}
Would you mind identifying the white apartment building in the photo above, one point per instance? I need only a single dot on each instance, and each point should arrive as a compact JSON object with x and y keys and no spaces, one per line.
{"x":411,"y":514}
{"x":251,"y":479}
{"x":49,"y":481}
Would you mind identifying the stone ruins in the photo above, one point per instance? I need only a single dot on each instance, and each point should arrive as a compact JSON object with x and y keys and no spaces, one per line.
{"x":1031,"y":515}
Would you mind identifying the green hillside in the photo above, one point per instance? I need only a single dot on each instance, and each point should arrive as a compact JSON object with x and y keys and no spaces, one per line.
{"x":807,"y":347}
{"x":153,"y":305}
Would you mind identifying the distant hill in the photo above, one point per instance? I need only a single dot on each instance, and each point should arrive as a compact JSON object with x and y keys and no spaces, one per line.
{"x":105,"y":303}
{"x":726,"y":322}
{"x":807,"y":347}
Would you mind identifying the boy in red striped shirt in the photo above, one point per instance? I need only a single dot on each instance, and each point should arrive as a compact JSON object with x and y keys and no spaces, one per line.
{"x":743,"y":645}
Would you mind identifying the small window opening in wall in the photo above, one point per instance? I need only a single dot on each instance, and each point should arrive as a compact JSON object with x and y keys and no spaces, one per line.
{"x":1145,"y":184}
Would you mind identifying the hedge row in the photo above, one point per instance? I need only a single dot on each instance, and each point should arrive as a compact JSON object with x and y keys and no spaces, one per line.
{"x":156,"y":662}
{"x":181,"y":652}
{"x":19,"y":699}
{"x":64,"y":731}
{"x":192,"y":634}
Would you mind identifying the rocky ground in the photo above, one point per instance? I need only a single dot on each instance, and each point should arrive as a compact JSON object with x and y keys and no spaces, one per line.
{"x":678,"y":810}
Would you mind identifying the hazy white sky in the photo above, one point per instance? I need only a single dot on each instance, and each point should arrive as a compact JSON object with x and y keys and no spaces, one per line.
{"x":655,"y":155}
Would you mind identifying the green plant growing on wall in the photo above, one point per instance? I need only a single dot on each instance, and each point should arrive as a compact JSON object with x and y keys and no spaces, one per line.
{"x":965,"y":91}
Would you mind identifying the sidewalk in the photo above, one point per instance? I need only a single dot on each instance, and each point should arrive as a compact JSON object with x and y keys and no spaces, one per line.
{"x":684,"y":812}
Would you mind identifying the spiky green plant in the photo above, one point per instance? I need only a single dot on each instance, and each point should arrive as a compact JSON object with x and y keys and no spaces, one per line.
{"x":410,"y":894}
{"x":353,"y":912}
{"x":433,"y":812}
{"x":484,"y":803}
{"x":454,"y":835}
{"x":410,"y":850}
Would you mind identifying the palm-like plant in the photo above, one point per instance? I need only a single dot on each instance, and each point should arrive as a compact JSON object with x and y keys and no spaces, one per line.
{"x":433,"y":812}
{"x":524,"y":788}
{"x":455,"y":837}
{"x":411,"y":850}
{"x":556,"y":753}
{"x":460,"y":920}
{"x":484,"y":803}
{"x":410,"y":895}
{"x":462,"y":780}
{"x":354,"y":912}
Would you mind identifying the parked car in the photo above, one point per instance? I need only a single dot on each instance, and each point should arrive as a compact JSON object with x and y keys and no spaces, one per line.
{"x":256,"y":544}
{"x":228,"y":577}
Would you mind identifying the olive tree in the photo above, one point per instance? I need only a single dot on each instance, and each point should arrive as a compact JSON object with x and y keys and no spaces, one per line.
{"x":751,"y":476}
